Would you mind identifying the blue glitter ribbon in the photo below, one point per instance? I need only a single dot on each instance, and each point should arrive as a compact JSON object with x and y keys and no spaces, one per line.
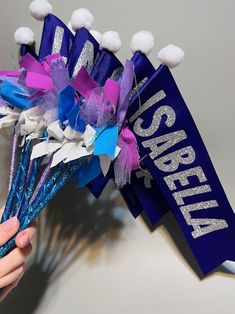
{"x":62,"y":174}
{"x":29,"y":188}
{"x":17,"y":182}
{"x":20,"y":188}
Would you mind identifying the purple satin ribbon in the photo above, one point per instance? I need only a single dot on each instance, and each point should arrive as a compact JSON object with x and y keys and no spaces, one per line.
{"x":41,"y":182}
{"x":126,"y":86}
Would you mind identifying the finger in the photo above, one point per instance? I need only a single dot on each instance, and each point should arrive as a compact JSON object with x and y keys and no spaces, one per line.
{"x":14,"y":260}
{"x":5,"y":292}
{"x":8,"y":289}
{"x":1,"y":211}
{"x":12,"y":277}
{"x":8,"y":229}
{"x":24,"y":237}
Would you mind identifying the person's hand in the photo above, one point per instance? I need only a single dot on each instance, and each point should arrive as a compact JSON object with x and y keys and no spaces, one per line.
{"x":12,"y":265}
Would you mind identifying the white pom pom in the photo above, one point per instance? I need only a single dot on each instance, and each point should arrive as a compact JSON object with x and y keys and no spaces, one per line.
{"x":82,"y":18}
{"x":39,"y":9}
{"x":171,"y":56}
{"x":111,"y":41}
{"x":142,"y":41}
{"x":70,"y":27}
{"x":24,"y":35}
{"x":96,"y":35}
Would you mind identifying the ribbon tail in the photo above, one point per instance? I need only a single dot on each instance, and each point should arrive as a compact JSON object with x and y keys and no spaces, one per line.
{"x":125,"y":90}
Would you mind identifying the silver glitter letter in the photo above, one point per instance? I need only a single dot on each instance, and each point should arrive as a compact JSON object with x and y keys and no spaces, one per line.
{"x":149,"y":103}
{"x":178,"y":196}
{"x":210,"y":225}
{"x":86,"y":58}
{"x":171,"y":162}
{"x":169,"y":140}
{"x":137,"y":87}
{"x":147,"y":177}
{"x":183,"y":177}
{"x":58,"y":39}
{"x":157,"y":117}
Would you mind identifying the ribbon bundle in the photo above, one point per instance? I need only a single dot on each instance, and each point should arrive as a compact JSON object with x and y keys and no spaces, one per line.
{"x":78,"y":113}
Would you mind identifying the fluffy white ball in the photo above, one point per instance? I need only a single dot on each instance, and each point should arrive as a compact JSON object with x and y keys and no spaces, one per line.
{"x":96,"y":35}
{"x":111,"y":41}
{"x":142,"y":41}
{"x":82,"y":18}
{"x":39,"y":9}
{"x":171,"y":56}
{"x":24,"y":35}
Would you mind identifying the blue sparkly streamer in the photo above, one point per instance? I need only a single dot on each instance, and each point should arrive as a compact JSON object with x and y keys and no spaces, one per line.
{"x":29,"y":188}
{"x":45,"y":190}
{"x":19,"y":192}
{"x":58,"y":179}
{"x":22,"y":164}
{"x":53,"y":185}
{"x":45,"y":198}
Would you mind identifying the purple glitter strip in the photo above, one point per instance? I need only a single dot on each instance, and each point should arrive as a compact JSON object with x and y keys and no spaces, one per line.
{"x":13,"y":159}
{"x":29,"y":170}
{"x":42,"y":180}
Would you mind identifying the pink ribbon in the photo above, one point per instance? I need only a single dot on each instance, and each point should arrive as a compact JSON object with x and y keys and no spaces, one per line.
{"x":128,"y":158}
{"x":38,"y":75}
{"x":84,"y":84}
{"x":87,"y":87}
{"x":15,"y":73}
{"x":127,"y":137}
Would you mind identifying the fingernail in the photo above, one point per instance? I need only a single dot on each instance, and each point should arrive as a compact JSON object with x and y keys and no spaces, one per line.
{"x":24,"y":240}
{"x":10,"y":224}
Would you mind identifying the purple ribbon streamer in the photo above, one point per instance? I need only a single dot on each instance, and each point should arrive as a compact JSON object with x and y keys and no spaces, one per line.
{"x":126,"y":86}
{"x":41,"y":182}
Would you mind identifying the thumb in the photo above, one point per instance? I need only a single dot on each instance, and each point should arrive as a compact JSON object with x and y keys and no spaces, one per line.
{"x":8,"y":229}
{"x":1,"y":211}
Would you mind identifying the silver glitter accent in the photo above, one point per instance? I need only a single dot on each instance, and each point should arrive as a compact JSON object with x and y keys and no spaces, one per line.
{"x":149,"y":103}
{"x":183,"y":156}
{"x":157,"y":117}
{"x":211,"y":224}
{"x":86,"y":58}
{"x":182,"y":176}
{"x":169,"y":140}
{"x":178,"y":196}
{"x":147,"y":177}
{"x":137,"y":87}
{"x":58,"y":39}
{"x":116,"y":73}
